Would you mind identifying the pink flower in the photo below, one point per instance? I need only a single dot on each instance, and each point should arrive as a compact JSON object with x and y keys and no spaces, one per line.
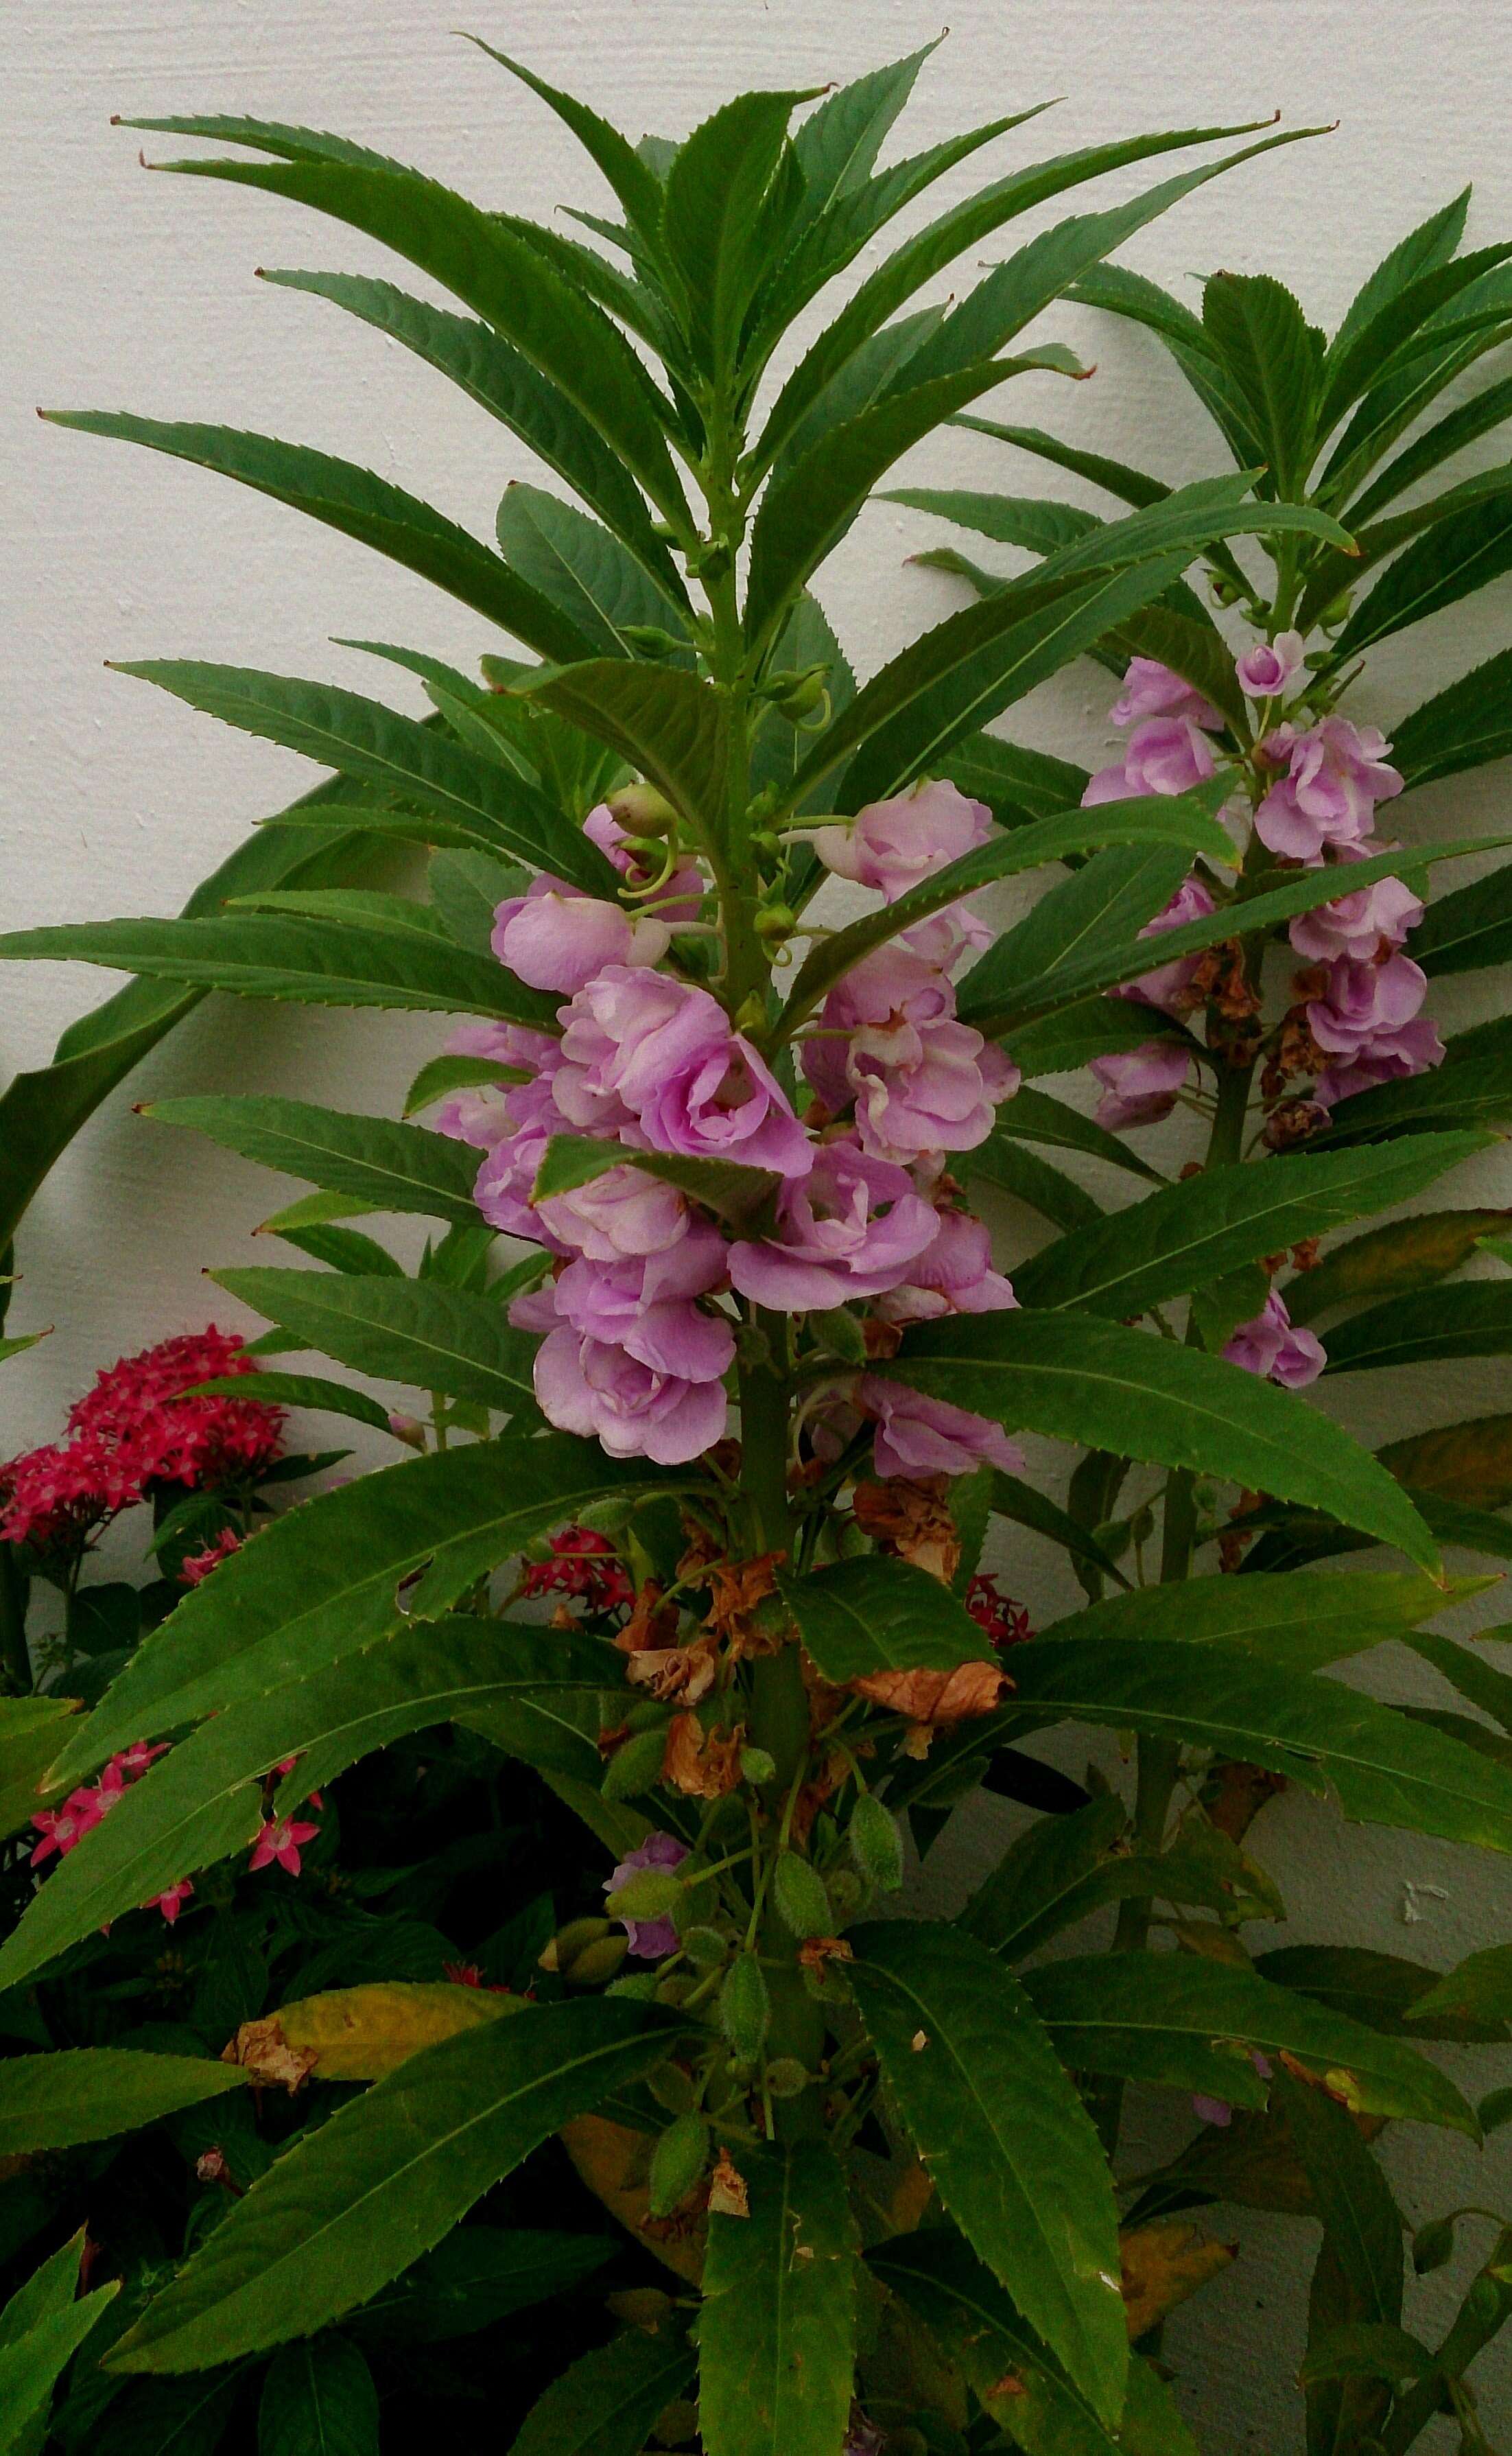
{"x":281,"y":1841}
{"x":589,"y":1386}
{"x":1359,"y":925}
{"x":620,"y":1215}
{"x":1140,"y":1085}
{"x":645,"y":1305}
{"x":1167,"y":755}
{"x":480,"y":1114}
{"x":921,"y":1082}
{"x":678,"y":900}
{"x":1271,"y":1347}
{"x":1267,"y":667}
{"x":1335,"y":776}
{"x":1367,"y":1021}
{"x":650,"y":1939}
{"x":693,"y":1084}
{"x":555,"y":937}
{"x":892,"y":845}
{"x":63,"y":1828}
{"x":1167,"y":985}
{"x":1151,"y":690}
{"x":917,"y":1434}
{"x":954,"y":1274}
{"x":172,"y":1901}
{"x":851,"y":1228}
{"x":197,"y":1567}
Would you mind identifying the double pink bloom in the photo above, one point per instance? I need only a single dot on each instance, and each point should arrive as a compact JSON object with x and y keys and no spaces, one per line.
{"x":1325,"y":800}
{"x":888,"y":1043}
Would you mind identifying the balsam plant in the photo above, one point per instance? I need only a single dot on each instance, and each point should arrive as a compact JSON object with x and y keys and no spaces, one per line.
{"x":757,"y":1342}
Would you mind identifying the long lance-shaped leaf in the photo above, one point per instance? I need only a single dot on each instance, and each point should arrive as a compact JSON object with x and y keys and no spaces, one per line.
{"x":634,"y":182}
{"x":307,"y":1390}
{"x":343,"y":1570}
{"x":1458,"y":555}
{"x":503,"y":278}
{"x":1301,"y":1622}
{"x":495,"y":375}
{"x":1330,"y":575}
{"x":44,"y":1106}
{"x":837,"y":145}
{"x":1107,"y":903}
{"x":1186,"y":1235}
{"x":857,"y":1618}
{"x":304,"y":962}
{"x":1106,"y":1387}
{"x":356,"y":2201}
{"x":670,"y":726}
{"x":726,"y":1187}
{"x":1472,"y":1087}
{"x":712,"y":222}
{"x":1433,"y":242}
{"x":609,"y":2402}
{"x":1463,"y":726}
{"x":385,"y":1166}
{"x":921,"y":257}
{"x":1383,"y":1768}
{"x":1187,"y":820}
{"x":1034,"y":1116}
{"x":1480,"y":415}
{"x":1474,"y":1319}
{"x":1392,"y":407}
{"x":1275,"y":359}
{"x":994,"y":1012}
{"x":1115,"y":289}
{"x":205,"y":1799}
{"x":361,"y":505}
{"x":365,"y":739}
{"x":57,"y":2101}
{"x":1358,"y":358}
{"x":1190,"y":2022}
{"x":416,"y":1331}
{"x":583,"y":567}
{"x":1009,"y":2145}
{"x":1395,"y":1260}
{"x":777,"y":2325}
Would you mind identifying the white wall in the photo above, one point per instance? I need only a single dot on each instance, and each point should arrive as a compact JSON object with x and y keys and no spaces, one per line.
{"x":122,"y":288}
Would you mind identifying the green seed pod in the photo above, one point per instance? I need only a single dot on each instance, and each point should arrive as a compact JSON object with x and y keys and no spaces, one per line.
{"x":744,"y":2010}
{"x":677,"y":2162}
{"x":1433,"y":2246}
{"x":705,"y":1947}
{"x":651,"y":639}
{"x":569,"y":1941}
{"x":785,"y":2077}
{"x":799,"y":1893}
{"x":639,"y":1985}
{"x":635,"y":1767}
{"x":846,"y":1893}
{"x":672,"y":2087}
{"x":757,"y":1765}
{"x":775,"y":923}
{"x":642,"y":810}
{"x":673,"y":1990}
{"x":650,"y":1893}
{"x":597,"y":1962}
{"x":646,"y":1714}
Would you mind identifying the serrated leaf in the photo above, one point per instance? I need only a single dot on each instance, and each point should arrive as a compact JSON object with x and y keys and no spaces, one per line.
{"x":319,"y":2400}
{"x":670,"y":726}
{"x":1479,"y":1989}
{"x":600,"y":586}
{"x":1449,"y":562}
{"x":1034,"y":1116}
{"x":1102,"y":906}
{"x":725,"y":1187}
{"x":32,"y":1729}
{"x":479,"y":2275}
{"x":777,"y":2328}
{"x":54,"y":2101}
{"x":608,"y":2402}
{"x":1380,"y":1989}
{"x":415,"y":1330}
{"x":1083,"y":1379}
{"x":1395,"y":1260}
{"x":1471,"y":929}
{"x":714,"y":192}
{"x":1275,"y":359}
{"x":1015,"y":1170}
{"x":1473,"y":1318}
{"x":356,"y":2201}
{"x":1008,"y":2143}
{"x":1190,"y":2023}
{"x":1010,"y":1497}
{"x":1301,"y":1622}
{"x":1472,"y":1087}
{"x":860,"y":1617}
{"x":384,"y":1166}
{"x":308,"y":1390}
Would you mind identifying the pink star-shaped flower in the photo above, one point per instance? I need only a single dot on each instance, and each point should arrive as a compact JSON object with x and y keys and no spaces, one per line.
{"x":280,"y":1840}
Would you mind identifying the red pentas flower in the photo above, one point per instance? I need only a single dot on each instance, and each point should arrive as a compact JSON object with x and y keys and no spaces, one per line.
{"x":582,"y":1564}
{"x":197,"y":1567}
{"x":1006,"y":1622}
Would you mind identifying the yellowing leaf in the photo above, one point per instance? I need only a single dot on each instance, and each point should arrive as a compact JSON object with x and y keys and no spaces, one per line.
{"x":360,"y":2032}
{"x":1162,"y":2264}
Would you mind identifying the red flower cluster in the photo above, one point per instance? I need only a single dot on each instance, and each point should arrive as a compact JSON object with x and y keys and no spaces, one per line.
{"x":1006,"y":1622}
{"x":133,"y":1431}
{"x":197,"y":1567}
{"x":61,"y":1829}
{"x":583,"y":1564}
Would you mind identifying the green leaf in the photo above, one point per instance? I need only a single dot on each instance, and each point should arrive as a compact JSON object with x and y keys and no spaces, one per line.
{"x":1014,"y":1170}
{"x":777,"y":2328}
{"x":32,"y":2360}
{"x":495,"y":376}
{"x":1041,"y":1881}
{"x":1034,"y":1116}
{"x":1472,"y":1087}
{"x":1449,"y":562}
{"x":365,"y":739}
{"x":1189,"y":2023}
{"x":600,"y":586}
{"x":712,"y":225}
{"x":203,"y":1800}
{"x":1301,"y":1622}
{"x":1477,"y":1989}
{"x":416,"y":1331}
{"x":1361,"y":2223}
{"x":32,"y":1729}
{"x":479,"y":2275}
{"x":1382,"y":1769}
{"x":1186,"y":820}
{"x":1275,"y":359}
{"x":319,"y":2400}
{"x":1478,"y":416}
{"x":308,"y":962}
{"x":388,"y":2174}
{"x":1432,"y":243}
{"x":54,"y":2101}
{"x":1008,"y":2144}
{"x":309,"y":1390}
{"x":610,"y":2401}
{"x":501,"y":277}
{"x":860,"y":1617}
{"x":725,"y":1187}
{"x":1095,"y":1382}
{"x":1395,"y":1260}
{"x":1122,"y":292}
{"x":385,"y":1166}
{"x":339,"y":1572}
{"x":1472,"y":1320}
{"x":1377,"y":1988}
{"x":634,"y":182}
{"x":1188,"y":1235}
{"x":1469,"y":931}
{"x":1100,"y":907}
{"x":670,"y":726}
{"x":363,"y":507}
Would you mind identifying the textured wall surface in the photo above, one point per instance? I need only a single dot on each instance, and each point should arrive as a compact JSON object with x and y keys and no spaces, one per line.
{"x":125,"y":290}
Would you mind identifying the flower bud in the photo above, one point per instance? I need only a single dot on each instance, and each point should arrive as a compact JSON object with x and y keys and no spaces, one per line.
{"x":639,"y":1985}
{"x":597,"y":1962}
{"x":569,"y":1941}
{"x":797,"y":694}
{"x":409,"y":1430}
{"x":650,"y":640}
{"x":652,"y":1892}
{"x":775,"y":923}
{"x":799,"y":1892}
{"x":745,"y":2010}
{"x":677,"y":2162}
{"x":757,"y":1765}
{"x":846,"y":1893}
{"x":639,"y":2307}
{"x":705,"y":1947}
{"x":876,"y":1845}
{"x":785,"y":2077}
{"x":642,"y":810}
{"x":636,"y":1765}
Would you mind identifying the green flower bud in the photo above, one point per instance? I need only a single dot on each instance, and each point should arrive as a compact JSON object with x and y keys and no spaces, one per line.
{"x":840,"y":1332}
{"x":775,"y":923}
{"x":1433,"y":2246}
{"x":672,"y":2087}
{"x":745,"y":2010}
{"x":650,"y":640}
{"x":705,"y":1947}
{"x":674,"y":1990}
{"x":647,"y":1714}
{"x":636,"y":1765}
{"x":757,"y":1765}
{"x":799,"y":1892}
{"x":876,"y":1844}
{"x":846,"y":1893}
{"x":750,"y":1015}
{"x":652,"y":1892}
{"x":677,"y":2162}
{"x":639,"y":1985}
{"x":569,"y":1941}
{"x":642,"y":810}
{"x":597,"y":1962}
{"x":787,"y":2078}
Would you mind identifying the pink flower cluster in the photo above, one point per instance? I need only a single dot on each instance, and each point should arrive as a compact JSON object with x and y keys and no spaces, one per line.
{"x":637,"y":1343}
{"x":61,"y":1829}
{"x":1275,"y":1350}
{"x":133,"y":1433}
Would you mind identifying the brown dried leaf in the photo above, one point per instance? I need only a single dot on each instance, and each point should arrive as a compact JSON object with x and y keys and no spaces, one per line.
{"x":728,"y":2194}
{"x":936,"y":1698}
{"x":704,"y":1764}
{"x":913,"y":1521}
{"x":266,"y":2056}
{"x":1163,"y":2264}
